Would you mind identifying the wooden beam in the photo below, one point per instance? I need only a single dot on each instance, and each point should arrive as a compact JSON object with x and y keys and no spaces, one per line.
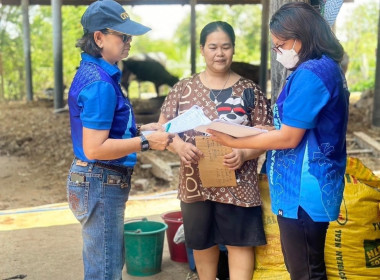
{"x":366,"y":142}
{"x":141,"y":2}
{"x":57,"y":52}
{"x":193,"y":52}
{"x":159,"y":167}
{"x":264,"y":45}
{"x":359,"y":151}
{"x":135,"y":2}
{"x":278,"y":72}
{"x":376,"y":98}
{"x":27,"y":51}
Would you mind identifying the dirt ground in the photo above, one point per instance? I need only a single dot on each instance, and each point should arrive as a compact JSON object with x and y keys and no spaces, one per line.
{"x":36,"y":153}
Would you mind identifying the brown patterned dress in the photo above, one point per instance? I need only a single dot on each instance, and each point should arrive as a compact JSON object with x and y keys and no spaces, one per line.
{"x":242,"y":103}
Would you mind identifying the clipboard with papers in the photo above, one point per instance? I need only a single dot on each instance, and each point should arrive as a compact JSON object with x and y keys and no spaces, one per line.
{"x":194,"y":118}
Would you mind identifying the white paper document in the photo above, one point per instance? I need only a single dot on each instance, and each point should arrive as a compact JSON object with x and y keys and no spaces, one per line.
{"x":233,"y":129}
{"x":188,"y":120}
{"x":194,"y":118}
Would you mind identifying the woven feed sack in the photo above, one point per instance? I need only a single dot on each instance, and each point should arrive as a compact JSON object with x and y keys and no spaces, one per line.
{"x":352,"y":249}
{"x":269,"y":261}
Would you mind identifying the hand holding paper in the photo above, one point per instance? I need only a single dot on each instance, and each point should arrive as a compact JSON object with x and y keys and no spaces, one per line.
{"x":151,"y":127}
{"x":234,"y":160}
{"x":194,"y":118}
{"x":221,"y":138}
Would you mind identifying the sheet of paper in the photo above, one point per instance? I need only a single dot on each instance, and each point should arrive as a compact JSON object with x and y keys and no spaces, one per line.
{"x":229,"y":128}
{"x":194,"y":118}
{"x":166,"y":127}
{"x":211,"y":169}
{"x":188,"y":120}
{"x":147,"y":132}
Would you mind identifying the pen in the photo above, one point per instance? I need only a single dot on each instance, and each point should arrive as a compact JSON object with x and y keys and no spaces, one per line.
{"x":168,"y":127}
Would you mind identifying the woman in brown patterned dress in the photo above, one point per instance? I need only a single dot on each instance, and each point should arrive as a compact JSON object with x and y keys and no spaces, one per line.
{"x":219,"y":215}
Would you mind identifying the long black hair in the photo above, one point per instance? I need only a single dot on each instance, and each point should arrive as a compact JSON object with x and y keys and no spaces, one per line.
{"x":299,"y":20}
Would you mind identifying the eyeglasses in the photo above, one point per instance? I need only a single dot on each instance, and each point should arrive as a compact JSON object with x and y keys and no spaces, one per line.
{"x":123,"y":37}
{"x":277,"y":48}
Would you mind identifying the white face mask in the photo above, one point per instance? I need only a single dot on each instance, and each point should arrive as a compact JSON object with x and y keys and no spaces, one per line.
{"x":288,"y":58}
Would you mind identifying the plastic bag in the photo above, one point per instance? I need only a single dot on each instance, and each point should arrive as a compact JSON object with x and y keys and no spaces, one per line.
{"x":179,"y":236}
{"x":353,"y":241}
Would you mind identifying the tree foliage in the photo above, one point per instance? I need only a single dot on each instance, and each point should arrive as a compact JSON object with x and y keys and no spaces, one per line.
{"x":42,"y":45}
{"x":42,"y":48}
{"x":71,"y":31}
{"x":358,"y":35}
{"x":41,"y":31}
{"x":246,"y":21}
{"x":11,"y":53}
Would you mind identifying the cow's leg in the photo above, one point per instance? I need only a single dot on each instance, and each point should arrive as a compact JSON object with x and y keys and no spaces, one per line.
{"x":157,"y":86}
{"x":139,"y":86}
{"x":125,"y":76}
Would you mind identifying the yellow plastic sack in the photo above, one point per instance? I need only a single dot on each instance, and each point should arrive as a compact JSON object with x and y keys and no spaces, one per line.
{"x":269,"y":261}
{"x":352,"y":248}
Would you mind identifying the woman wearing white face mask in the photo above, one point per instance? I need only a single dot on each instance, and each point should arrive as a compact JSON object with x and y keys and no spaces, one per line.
{"x":288,"y":58}
{"x":307,"y":151}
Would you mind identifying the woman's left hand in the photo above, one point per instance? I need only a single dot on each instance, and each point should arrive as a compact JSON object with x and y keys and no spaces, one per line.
{"x":235,"y":159}
{"x":152,"y":127}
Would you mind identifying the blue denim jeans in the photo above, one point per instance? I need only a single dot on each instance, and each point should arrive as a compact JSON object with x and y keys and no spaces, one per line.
{"x":97,"y":197}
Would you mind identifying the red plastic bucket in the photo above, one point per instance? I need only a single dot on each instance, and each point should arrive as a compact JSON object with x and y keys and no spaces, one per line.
{"x":177,"y":251}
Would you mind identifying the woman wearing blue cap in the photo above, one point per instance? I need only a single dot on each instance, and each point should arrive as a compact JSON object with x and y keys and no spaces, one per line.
{"x":105,"y":138}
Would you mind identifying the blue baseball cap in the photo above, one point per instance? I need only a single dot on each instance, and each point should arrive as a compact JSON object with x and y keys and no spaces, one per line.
{"x":103,"y":14}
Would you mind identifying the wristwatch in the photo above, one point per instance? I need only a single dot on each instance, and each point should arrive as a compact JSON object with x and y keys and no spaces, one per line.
{"x":144,"y":143}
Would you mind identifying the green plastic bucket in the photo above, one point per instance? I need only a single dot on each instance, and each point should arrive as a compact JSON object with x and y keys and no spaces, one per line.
{"x":144,"y":244}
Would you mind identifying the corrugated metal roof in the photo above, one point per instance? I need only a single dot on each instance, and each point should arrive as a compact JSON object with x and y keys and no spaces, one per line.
{"x":134,"y":2}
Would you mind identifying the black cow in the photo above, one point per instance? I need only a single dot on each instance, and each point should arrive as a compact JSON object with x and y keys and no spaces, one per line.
{"x":144,"y":70}
{"x":247,"y":70}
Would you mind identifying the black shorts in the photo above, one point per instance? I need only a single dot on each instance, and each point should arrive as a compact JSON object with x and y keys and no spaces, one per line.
{"x":207,"y":223}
